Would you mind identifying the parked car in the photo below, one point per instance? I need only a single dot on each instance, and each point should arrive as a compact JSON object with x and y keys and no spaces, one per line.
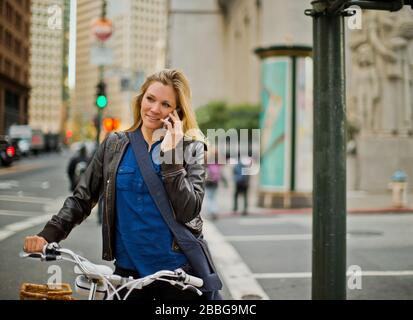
{"x":23,"y":146}
{"x":7,"y":151}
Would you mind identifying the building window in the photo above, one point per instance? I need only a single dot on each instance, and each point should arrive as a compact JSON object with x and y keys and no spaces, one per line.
{"x":18,"y":21}
{"x":7,"y":67}
{"x":9,"y":12}
{"x":9,"y":39}
{"x":17,"y":47}
{"x":17,"y":73}
{"x":12,"y":100}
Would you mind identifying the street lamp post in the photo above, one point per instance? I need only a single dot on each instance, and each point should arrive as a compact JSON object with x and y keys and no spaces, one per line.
{"x":329,"y":155}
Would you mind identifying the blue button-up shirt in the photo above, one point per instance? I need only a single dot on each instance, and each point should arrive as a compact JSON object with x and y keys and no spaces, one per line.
{"x":143,"y":239}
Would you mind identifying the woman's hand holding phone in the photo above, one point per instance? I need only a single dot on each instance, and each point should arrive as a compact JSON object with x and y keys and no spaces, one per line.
{"x":174,"y":132}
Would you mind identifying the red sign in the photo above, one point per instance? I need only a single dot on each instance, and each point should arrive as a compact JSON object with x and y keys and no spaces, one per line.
{"x":102,"y":28}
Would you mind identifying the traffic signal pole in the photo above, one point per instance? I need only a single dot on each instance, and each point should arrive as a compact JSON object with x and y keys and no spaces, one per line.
{"x":99,"y":121}
{"x":329,"y":154}
{"x":100,"y":114}
{"x":100,"y":79}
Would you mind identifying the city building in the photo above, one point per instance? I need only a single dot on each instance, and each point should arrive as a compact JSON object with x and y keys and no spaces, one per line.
{"x":14,"y":62}
{"x":136,"y":49}
{"x":47,"y":65}
{"x":254,"y":52}
{"x":65,"y":68}
{"x":213,"y":42}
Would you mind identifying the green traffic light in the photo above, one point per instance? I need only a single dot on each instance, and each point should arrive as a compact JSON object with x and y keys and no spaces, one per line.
{"x":101,"y":101}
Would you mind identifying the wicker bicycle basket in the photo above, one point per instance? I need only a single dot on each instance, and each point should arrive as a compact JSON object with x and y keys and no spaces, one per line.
{"x":32,"y":291}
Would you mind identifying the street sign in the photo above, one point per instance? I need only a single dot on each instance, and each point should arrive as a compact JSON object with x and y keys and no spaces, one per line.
{"x":102,"y":28}
{"x":101,"y":55}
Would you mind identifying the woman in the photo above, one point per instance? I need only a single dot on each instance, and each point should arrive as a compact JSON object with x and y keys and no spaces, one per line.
{"x":139,"y":236}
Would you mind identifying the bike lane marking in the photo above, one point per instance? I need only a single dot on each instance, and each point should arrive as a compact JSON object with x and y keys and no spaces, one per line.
{"x":236,"y":274}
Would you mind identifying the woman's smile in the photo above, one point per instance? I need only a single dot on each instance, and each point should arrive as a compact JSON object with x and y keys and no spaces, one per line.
{"x":153,"y":119}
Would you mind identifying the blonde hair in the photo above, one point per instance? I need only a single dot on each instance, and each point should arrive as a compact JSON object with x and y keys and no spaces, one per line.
{"x":177,"y":80}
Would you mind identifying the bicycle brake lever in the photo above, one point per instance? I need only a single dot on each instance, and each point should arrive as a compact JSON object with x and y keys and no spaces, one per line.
{"x":34,"y":255}
{"x":192,"y":289}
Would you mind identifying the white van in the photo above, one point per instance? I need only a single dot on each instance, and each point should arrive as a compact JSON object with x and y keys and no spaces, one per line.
{"x":25,"y":135}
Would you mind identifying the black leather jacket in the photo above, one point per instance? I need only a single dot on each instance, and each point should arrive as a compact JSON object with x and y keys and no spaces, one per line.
{"x":184,"y":184}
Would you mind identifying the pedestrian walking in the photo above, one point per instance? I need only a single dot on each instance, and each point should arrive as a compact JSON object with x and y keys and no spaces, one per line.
{"x":214,"y":177}
{"x":241,"y":181}
{"x":77,"y":166}
{"x":152,"y":179}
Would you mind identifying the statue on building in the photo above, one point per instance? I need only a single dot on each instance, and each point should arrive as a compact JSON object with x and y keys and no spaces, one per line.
{"x":382,"y":73}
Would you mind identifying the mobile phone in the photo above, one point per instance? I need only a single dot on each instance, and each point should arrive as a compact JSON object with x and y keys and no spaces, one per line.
{"x":179,"y":111}
{"x":169,"y":120}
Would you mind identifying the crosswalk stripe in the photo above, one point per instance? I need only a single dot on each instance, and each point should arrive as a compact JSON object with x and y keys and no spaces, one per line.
{"x":13,"y":228}
{"x":301,"y":275}
{"x":269,"y":237}
{"x":18,"y":213}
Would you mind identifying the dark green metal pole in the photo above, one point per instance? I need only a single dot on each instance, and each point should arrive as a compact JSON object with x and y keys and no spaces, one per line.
{"x":101,"y":76}
{"x":329,"y":168}
{"x":99,"y":121}
{"x":99,"y":115}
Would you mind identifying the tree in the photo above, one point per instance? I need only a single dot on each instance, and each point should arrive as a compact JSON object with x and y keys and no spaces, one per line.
{"x":218,"y":115}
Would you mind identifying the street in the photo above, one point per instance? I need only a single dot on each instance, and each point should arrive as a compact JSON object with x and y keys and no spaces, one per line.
{"x":272,"y":251}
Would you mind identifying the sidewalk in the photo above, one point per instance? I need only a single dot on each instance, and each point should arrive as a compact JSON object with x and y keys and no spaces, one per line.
{"x":357,"y":201}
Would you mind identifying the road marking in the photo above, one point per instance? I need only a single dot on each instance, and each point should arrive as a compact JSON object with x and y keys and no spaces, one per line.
{"x":13,"y":228}
{"x":302,"y":275}
{"x":18,"y":213}
{"x":386,"y":273}
{"x":270,"y":237}
{"x":236,"y":274}
{"x":45,"y":185}
{"x":278,"y":219}
{"x":258,"y":221}
{"x":19,"y":168}
{"x":9,"y":184}
{"x":295,"y":275}
{"x":278,"y":237}
{"x":25,"y":199}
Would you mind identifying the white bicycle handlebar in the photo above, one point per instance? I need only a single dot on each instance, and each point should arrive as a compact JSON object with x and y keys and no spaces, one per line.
{"x":113,"y":283}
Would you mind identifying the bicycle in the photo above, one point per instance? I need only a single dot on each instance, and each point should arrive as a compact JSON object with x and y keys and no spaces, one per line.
{"x":99,"y":282}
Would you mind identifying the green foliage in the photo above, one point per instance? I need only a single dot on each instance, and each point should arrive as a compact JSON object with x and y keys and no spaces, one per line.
{"x":217,"y":115}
